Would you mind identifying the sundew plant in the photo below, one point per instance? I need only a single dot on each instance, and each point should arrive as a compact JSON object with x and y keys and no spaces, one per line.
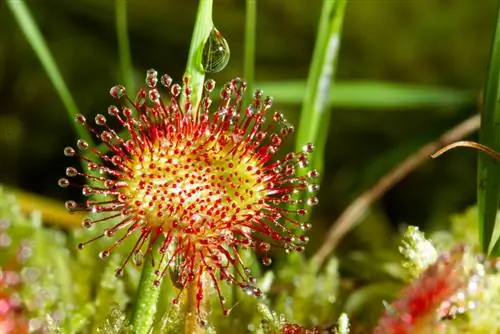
{"x":193,"y":200}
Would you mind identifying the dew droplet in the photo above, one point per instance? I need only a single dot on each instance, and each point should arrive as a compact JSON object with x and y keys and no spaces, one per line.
{"x":264,"y":246}
{"x":301,"y":212}
{"x":69,"y":151}
{"x":87,"y":190}
{"x":106,"y":136}
{"x":175,"y":90}
{"x":268,"y":101}
{"x":104,"y":253}
{"x":138,"y":258}
{"x":313,"y":188}
{"x":63,"y":183}
{"x":119,"y":272}
{"x":151,"y":78}
{"x":113,"y":110}
{"x":70,"y":205}
{"x":117,"y":91}
{"x":216,"y":52}
{"x":306,"y":226}
{"x":82,"y":144}
{"x":304,"y":239}
{"x":257,"y":292}
{"x":80,"y":119}
{"x":87,"y":223}
{"x":313,"y":173}
{"x":308,"y":148}
{"x":100,"y":119}
{"x":71,"y":172}
{"x":92,"y":166}
{"x":154,"y":96}
{"x":209,"y":85}
{"x":266,"y":260}
{"x":166,"y":80}
{"x":312,"y":201}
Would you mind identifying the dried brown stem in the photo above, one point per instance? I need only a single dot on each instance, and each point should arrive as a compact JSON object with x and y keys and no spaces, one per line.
{"x":470,"y":144}
{"x":357,"y":209}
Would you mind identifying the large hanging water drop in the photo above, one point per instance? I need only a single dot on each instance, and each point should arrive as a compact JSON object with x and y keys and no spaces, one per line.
{"x":215,"y":52}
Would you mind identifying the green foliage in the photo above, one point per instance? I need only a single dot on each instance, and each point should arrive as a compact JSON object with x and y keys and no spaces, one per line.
{"x":374,"y":95}
{"x":488,"y":177}
{"x":309,"y":296}
{"x":64,"y":291}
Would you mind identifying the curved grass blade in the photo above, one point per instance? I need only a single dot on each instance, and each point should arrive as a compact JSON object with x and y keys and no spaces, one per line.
{"x":488,"y":177}
{"x":35,"y":39}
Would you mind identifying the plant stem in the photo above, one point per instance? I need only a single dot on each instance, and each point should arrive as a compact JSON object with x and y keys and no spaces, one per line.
{"x":124,"y":45}
{"x":249,"y":47}
{"x":194,"y":68}
{"x":192,"y":323}
{"x":144,"y":309}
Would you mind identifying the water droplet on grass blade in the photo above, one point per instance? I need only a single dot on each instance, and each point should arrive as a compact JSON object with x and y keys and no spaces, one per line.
{"x":215,"y":52}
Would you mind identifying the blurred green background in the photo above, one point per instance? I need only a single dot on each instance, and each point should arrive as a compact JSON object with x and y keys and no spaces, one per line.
{"x":442,"y":44}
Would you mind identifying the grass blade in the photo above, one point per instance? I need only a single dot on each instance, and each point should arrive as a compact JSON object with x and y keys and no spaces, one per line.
{"x":249,"y":47}
{"x":37,"y":42}
{"x":194,"y":68}
{"x":126,"y":68}
{"x":374,"y":95}
{"x":320,"y":78}
{"x":488,"y":177}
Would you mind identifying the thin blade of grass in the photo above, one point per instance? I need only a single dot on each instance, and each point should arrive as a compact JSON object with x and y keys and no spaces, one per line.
{"x":194,"y":67}
{"x":320,"y":78}
{"x":372,"y":95}
{"x":30,"y":30}
{"x":249,"y":47}
{"x":488,"y":177}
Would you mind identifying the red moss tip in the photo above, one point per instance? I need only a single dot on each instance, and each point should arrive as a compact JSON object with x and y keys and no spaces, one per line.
{"x":203,"y":182}
{"x":418,"y":307}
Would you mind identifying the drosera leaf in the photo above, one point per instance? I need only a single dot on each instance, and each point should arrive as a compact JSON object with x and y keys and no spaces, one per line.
{"x":488,"y":177}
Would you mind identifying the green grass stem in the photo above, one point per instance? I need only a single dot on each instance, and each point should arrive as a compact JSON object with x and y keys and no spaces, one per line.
{"x":488,"y":177}
{"x":321,"y":74}
{"x":126,"y":68}
{"x":35,"y":39}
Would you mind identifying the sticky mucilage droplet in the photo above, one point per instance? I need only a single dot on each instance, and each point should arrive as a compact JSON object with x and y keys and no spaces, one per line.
{"x":215,"y":52}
